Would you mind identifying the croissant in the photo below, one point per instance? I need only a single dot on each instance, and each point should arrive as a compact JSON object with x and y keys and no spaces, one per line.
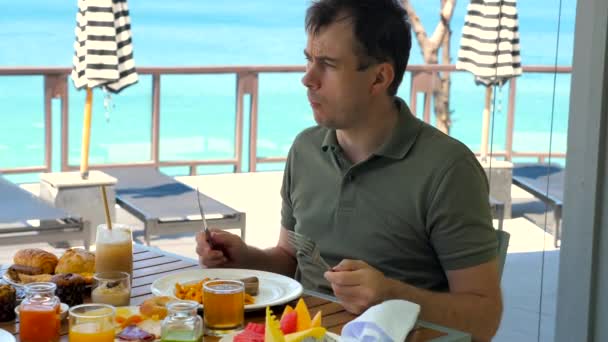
{"x":35,"y":257}
{"x":76,"y":260}
{"x":25,"y":278}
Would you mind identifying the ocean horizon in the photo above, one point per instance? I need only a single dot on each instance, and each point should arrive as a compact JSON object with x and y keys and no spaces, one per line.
{"x":197,"y":112}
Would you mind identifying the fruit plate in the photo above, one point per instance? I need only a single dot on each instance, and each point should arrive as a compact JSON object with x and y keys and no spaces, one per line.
{"x":329,"y":337}
{"x":275,"y":289}
{"x":149,"y":325}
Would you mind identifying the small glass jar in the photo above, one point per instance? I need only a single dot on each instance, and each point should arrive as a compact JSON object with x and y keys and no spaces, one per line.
{"x":39,"y":313}
{"x":182,"y":324}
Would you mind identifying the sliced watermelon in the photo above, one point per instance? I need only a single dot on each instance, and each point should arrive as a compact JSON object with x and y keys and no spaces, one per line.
{"x":289,"y":322}
{"x":248,"y":336}
{"x":257,"y":328}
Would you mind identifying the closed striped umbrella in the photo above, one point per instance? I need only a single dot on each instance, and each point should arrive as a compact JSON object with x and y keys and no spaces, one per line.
{"x":103,"y":49}
{"x":103,"y":55}
{"x":489,"y":49}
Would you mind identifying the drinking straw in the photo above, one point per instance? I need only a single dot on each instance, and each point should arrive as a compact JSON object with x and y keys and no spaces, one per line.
{"x":105,"y":206}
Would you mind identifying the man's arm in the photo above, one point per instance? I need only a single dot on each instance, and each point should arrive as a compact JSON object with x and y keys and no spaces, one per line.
{"x":279,"y":259}
{"x":473,"y":304}
{"x":230,"y":250}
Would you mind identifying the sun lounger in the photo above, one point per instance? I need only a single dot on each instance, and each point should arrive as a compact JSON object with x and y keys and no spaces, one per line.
{"x":546,"y":182}
{"x":168,"y":207}
{"x":25,"y":218}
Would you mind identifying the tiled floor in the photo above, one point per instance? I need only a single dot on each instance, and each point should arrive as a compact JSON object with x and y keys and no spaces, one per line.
{"x":528,"y":264}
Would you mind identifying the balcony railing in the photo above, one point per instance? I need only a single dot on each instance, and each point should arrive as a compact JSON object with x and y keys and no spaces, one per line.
{"x":247,"y":80}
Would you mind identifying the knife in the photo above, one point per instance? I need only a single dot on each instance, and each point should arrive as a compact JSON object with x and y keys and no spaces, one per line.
{"x":205,"y":227}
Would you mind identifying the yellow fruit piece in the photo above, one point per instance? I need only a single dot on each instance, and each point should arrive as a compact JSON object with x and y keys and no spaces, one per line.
{"x":303,"y":316}
{"x":287,"y":310}
{"x":317,"y":333}
{"x":316,"y":321}
{"x":273,"y":331}
{"x":123,"y":312}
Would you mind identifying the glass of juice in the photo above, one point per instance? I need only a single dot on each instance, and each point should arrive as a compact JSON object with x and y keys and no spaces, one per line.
{"x":113,"y":288}
{"x":92,"y":323}
{"x":39,"y":314}
{"x":114,"y":249}
{"x":224,"y":310}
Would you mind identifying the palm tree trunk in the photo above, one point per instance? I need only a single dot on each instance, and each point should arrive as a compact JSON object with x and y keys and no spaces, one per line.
{"x":430,"y":50}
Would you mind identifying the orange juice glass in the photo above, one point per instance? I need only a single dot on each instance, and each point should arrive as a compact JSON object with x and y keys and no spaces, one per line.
{"x":39,"y":314}
{"x":92,"y":323}
{"x":224,"y":302}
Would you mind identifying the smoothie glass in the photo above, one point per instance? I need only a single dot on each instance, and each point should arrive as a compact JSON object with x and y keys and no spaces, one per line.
{"x":114,"y":249}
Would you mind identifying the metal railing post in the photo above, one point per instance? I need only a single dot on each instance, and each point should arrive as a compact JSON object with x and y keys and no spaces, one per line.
{"x":510,"y":120}
{"x":155,"y":136}
{"x":55,"y":87}
{"x":247,"y":83}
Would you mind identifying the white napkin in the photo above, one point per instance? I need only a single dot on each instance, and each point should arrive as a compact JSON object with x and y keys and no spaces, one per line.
{"x":389,"y":321}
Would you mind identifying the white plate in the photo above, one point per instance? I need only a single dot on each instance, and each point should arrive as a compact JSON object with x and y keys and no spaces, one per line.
{"x":5,"y":336}
{"x":9,"y":280}
{"x":275,"y":289}
{"x":230,"y":337}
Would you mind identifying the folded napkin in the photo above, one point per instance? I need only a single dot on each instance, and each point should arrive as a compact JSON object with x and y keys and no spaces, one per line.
{"x":389,"y":321}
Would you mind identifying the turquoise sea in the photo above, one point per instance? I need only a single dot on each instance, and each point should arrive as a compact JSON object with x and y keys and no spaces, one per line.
{"x":197,"y":112}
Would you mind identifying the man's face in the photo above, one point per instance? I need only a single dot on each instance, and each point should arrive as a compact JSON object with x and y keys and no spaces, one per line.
{"x":338,"y":93}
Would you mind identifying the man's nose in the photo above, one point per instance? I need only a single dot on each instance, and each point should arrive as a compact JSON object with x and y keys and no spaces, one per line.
{"x":310,"y":79}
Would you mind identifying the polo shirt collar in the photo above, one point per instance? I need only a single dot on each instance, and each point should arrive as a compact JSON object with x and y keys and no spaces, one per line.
{"x":404,"y":134}
{"x":401,"y":141}
{"x":331,"y":141}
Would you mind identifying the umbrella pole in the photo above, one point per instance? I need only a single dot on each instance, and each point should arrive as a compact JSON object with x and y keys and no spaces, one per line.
{"x":86,"y":135}
{"x":485,"y":124}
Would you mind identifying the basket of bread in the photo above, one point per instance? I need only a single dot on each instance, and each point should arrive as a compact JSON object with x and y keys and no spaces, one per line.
{"x":72,"y":272}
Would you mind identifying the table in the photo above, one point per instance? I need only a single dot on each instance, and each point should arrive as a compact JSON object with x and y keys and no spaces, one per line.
{"x":151,"y":263}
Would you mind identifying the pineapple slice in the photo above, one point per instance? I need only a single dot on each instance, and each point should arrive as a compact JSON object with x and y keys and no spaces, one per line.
{"x":273,"y":328}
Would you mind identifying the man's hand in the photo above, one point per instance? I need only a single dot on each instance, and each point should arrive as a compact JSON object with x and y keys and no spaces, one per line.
{"x":228,"y":250}
{"x":357,"y":285}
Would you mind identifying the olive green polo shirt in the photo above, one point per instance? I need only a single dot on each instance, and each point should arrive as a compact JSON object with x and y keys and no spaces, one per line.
{"x":417,"y":207}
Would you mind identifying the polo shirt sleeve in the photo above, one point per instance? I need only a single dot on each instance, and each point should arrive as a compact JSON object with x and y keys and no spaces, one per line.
{"x":459,"y":221}
{"x":287,"y":219}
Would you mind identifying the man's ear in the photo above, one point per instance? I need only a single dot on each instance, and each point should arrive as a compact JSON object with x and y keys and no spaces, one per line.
{"x":384,"y":76}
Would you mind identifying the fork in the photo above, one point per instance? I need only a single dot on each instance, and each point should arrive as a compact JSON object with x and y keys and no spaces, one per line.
{"x":307,"y":247}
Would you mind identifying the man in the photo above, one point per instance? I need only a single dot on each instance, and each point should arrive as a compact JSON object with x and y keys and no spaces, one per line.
{"x":399,"y":209}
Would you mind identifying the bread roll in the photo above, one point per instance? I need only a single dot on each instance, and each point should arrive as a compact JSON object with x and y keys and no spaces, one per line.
{"x":35,"y":257}
{"x":155,"y":306}
{"x":76,"y":260}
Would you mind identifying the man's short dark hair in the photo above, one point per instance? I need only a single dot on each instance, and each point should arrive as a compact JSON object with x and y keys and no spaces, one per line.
{"x":381,"y":28}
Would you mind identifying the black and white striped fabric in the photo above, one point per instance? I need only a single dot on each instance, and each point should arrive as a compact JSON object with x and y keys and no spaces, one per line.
{"x":103,"y":49}
{"x":489,"y":47}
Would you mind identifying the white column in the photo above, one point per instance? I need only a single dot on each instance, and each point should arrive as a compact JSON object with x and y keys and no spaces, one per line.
{"x":582,"y":299}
